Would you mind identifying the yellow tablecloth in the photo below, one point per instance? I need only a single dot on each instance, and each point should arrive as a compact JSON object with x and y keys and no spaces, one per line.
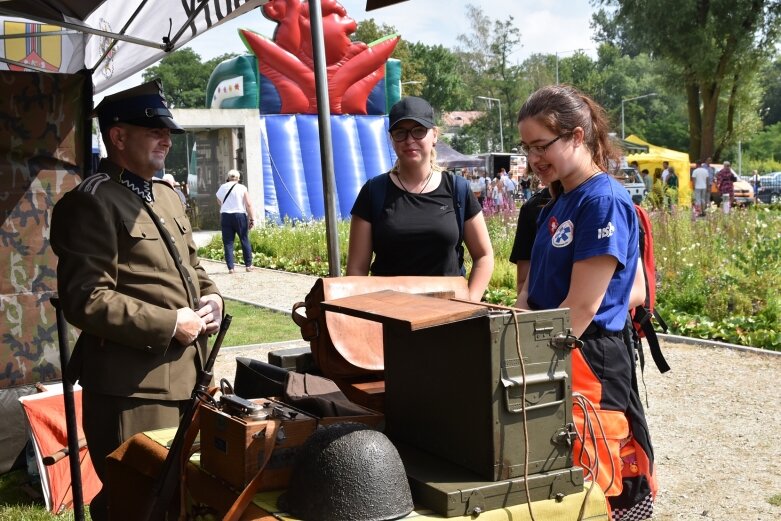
{"x":547,"y":510}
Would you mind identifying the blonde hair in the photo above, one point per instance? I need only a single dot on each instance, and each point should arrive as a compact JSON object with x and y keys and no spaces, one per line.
{"x":234,"y":174}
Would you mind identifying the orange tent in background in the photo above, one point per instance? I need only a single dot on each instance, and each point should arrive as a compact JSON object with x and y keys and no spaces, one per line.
{"x":652,"y":160}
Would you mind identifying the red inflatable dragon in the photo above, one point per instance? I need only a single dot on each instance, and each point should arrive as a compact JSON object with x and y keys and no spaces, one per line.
{"x":354,"y":68}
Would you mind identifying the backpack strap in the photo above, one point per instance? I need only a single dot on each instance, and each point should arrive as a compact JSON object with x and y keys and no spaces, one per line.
{"x":460,"y":190}
{"x":643,"y":318}
{"x":377,"y":187}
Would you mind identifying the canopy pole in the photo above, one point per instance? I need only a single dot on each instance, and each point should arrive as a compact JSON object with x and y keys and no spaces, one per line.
{"x":324,"y":128}
{"x":83,"y":28}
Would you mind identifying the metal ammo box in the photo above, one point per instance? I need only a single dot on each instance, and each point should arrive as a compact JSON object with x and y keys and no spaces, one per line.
{"x":455,"y":388}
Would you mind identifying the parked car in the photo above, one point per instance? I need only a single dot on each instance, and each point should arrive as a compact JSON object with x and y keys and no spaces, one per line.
{"x":633,"y":181}
{"x":769,"y":190}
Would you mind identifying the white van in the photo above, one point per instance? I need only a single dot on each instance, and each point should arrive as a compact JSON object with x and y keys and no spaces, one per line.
{"x":633,"y":181}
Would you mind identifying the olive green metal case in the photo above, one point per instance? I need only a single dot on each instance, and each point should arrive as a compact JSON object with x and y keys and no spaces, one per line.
{"x":465,"y":410}
{"x":450,"y":490}
{"x":456,"y":390}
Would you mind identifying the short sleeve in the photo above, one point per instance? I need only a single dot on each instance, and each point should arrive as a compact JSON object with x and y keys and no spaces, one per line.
{"x":363,"y":203}
{"x":472,"y":206}
{"x":526,"y":230}
{"x":603,"y":227}
{"x":525,"y":233}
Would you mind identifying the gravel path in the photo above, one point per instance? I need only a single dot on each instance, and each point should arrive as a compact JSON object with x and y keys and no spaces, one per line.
{"x":714,"y":418}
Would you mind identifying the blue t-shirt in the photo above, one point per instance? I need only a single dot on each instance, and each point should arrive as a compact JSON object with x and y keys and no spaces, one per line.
{"x":596,"y":218}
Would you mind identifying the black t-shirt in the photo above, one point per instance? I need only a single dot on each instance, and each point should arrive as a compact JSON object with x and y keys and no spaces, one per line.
{"x":526,"y":230}
{"x":416,"y":233}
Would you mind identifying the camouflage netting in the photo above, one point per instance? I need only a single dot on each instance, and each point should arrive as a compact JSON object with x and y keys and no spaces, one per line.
{"x":41,"y":150}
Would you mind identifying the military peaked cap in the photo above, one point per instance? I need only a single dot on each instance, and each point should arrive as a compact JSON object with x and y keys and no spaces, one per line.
{"x":143,"y":105}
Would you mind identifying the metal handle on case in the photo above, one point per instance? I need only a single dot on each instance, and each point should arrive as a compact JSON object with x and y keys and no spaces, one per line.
{"x":509,"y":383}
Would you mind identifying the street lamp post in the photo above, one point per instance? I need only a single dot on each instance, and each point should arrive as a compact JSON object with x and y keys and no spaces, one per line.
{"x":624,"y":100}
{"x":401,"y":85}
{"x":501,"y":132}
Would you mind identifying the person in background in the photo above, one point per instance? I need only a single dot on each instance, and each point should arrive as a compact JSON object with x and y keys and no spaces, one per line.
{"x":497,"y":193}
{"x":586,"y":259}
{"x":168,"y":178}
{"x":526,"y":186}
{"x":235,"y":219}
{"x":509,"y":184}
{"x":665,"y":171}
{"x":416,"y":233}
{"x":711,"y":172}
{"x":672,"y":184}
{"x":755,"y":181}
{"x":476,"y":185}
{"x":129,"y":278}
{"x":525,"y":232}
{"x":725,"y":180}
{"x":701,"y":188}
{"x":648,"y":180}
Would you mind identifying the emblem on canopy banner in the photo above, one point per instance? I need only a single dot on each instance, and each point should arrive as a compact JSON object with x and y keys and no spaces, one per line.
{"x":37,"y":49}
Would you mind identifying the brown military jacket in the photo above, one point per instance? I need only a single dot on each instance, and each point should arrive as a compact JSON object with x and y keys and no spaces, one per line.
{"x":118,"y":283}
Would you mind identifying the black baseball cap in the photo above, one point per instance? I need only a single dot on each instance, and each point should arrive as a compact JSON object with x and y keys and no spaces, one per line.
{"x":414,"y":108}
{"x":143,"y":105}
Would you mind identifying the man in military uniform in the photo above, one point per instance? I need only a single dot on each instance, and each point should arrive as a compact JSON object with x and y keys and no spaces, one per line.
{"x":130,"y":280}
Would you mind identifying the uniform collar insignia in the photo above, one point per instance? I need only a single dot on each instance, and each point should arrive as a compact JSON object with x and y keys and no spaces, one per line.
{"x":138,"y":185}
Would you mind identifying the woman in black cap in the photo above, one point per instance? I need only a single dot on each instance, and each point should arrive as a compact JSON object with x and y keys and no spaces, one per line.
{"x":415,"y":217}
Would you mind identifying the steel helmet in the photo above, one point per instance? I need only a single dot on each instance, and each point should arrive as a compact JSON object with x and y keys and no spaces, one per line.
{"x":347,"y":472}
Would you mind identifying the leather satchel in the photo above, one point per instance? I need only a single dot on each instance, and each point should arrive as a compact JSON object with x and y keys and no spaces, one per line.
{"x":344,"y":346}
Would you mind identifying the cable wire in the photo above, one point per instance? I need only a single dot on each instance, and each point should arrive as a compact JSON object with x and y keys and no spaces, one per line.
{"x":523,"y":412}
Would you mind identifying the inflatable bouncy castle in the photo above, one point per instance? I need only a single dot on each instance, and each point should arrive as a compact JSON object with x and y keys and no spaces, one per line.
{"x":278,"y":79}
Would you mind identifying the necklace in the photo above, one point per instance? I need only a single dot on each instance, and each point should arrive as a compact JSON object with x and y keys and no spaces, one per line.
{"x":430,"y":172}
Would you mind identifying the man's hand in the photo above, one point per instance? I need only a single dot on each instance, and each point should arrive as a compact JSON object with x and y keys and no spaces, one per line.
{"x":211,"y":312}
{"x":189,"y":325}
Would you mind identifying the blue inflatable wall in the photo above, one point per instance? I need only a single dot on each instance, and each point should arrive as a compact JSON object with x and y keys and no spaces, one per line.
{"x":292,"y":172}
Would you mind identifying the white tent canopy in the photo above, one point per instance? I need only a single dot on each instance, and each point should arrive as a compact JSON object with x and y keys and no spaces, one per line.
{"x":112,"y":38}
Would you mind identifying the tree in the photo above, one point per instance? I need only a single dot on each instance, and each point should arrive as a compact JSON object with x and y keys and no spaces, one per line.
{"x":486,"y":54}
{"x":771,"y":100}
{"x":185,"y":77}
{"x":713,"y":47}
{"x":442,"y":85}
{"x":368,"y":31}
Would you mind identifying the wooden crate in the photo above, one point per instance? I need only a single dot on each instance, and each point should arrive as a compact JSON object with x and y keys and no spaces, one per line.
{"x":232,"y":448}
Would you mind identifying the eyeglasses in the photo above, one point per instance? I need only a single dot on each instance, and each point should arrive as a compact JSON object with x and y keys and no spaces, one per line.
{"x":538,"y":150}
{"x":400,"y":134}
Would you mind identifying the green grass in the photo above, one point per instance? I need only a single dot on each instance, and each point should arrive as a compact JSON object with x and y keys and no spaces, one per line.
{"x":775,"y":500}
{"x":16,"y":505}
{"x":257,"y":325}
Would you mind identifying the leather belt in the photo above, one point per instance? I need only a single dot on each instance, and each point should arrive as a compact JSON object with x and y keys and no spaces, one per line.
{"x":594,"y":331}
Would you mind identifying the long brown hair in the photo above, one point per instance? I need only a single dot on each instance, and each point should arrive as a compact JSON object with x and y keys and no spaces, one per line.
{"x":562,"y":108}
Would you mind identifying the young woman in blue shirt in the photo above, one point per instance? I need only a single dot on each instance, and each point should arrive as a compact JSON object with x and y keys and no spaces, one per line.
{"x":585,"y":258}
